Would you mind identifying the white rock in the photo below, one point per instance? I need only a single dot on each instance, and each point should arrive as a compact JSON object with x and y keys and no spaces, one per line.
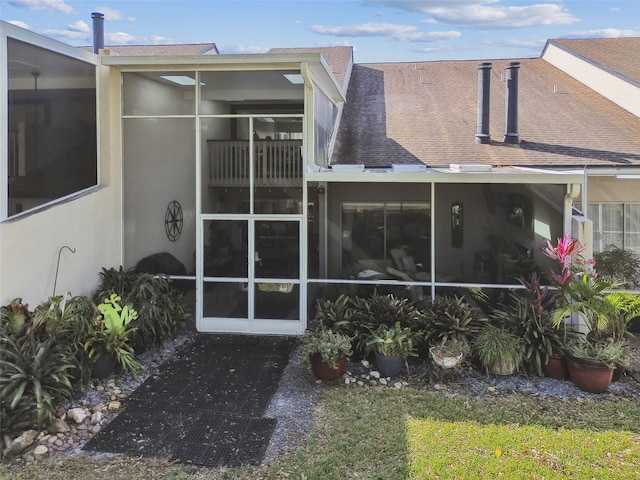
{"x":96,"y":418}
{"x":77,"y":415}
{"x":365,"y":363}
{"x":40,"y":450}
{"x":398,"y":385}
{"x":57,"y":425}
{"x":374,"y":373}
{"x":22,"y":442}
{"x":383,"y":381}
{"x":116,"y":405}
{"x":347,"y":381}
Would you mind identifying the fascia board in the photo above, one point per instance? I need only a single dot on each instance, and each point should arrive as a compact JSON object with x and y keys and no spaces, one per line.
{"x":27,"y":36}
{"x":441,"y":176}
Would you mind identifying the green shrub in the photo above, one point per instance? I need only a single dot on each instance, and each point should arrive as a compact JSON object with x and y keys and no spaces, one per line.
{"x":35,"y":374}
{"x":449,"y":319}
{"x":621,"y":266}
{"x":68,"y":320}
{"x":161,"y":308}
{"x":371,"y":313}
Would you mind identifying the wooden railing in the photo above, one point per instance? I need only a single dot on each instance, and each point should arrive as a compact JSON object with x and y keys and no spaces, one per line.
{"x":277,"y":162}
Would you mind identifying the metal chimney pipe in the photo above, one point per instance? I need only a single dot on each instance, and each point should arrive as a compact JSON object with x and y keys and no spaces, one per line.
{"x":98,"y":31}
{"x":484,"y":84}
{"x":511,"y":103}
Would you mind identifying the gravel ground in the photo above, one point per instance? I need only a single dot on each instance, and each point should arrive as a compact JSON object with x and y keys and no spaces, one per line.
{"x":294,"y":402}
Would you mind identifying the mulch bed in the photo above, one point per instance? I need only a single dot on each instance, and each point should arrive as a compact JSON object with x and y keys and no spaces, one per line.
{"x":206,"y":405}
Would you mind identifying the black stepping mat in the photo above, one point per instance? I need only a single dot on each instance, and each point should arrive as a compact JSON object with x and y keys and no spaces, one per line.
{"x":205,"y":406}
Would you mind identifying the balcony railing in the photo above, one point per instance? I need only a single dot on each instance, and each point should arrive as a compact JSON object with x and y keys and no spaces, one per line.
{"x":277,"y":163}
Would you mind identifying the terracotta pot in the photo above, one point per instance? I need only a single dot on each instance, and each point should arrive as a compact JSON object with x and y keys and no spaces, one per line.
{"x":323,"y":371}
{"x":589,"y":375}
{"x":389,"y":365}
{"x":556,"y":367}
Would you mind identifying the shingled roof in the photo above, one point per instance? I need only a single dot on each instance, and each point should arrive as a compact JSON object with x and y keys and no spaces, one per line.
{"x":426,"y":113}
{"x":340,"y":59}
{"x":177,"y":49}
{"x":621,"y":55}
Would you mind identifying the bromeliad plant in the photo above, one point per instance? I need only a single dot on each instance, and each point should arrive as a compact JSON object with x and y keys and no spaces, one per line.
{"x":112,"y":333}
{"x":393,"y":340}
{"x":606,"y":312}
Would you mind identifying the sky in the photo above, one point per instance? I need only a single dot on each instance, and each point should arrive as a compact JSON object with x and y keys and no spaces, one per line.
{"x":378,"y":30}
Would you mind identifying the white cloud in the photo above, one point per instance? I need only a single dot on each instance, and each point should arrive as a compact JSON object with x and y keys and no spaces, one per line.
{"x":75,"y":31}
{"x":402,"y":33}
{"x":19,"y":23}
{"x":614,"y":9}
{"x":111,"y":14}
{"x":605,"y":33}
{"x":56,"y":5}
{"x":485,"y":13}
{"x":120,"y":38}
{"x":79,"y":26}
{"x":68,"y":34}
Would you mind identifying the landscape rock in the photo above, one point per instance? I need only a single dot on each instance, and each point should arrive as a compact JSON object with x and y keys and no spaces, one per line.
{"x":77,"y":415}
{"x":40,"y":450}
{"x":58,"y":425}
{"x":21,"y":443}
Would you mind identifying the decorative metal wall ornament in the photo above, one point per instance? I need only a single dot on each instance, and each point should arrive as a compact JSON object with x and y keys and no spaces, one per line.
{"x":457,"y":222}
{"x":173,"y":220}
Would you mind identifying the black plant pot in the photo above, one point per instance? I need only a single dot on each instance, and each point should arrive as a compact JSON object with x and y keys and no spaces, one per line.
{"x":105,"y":365}
{"x":389,"y":365}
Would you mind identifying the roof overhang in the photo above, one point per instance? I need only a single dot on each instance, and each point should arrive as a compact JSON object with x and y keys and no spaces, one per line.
{"x":260,"y":62}
{"x":503,"y":175}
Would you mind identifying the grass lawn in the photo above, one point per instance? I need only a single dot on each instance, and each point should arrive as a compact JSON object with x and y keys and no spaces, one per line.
{"x":409,"y":434}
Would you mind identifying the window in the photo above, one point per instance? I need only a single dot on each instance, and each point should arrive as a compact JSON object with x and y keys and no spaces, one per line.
{"x":370,"y":231}
{"x":52,"y":149}
{"x":615,"y":224}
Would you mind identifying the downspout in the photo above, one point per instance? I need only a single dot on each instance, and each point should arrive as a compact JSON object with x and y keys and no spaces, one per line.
{"x":573,"y":190}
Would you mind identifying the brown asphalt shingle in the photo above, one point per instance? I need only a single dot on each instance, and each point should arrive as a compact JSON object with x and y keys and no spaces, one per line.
{"x":338,"y":58}
{"x":621,"y":55}
{"x":178,"y":49}
{"x":426,"y":112}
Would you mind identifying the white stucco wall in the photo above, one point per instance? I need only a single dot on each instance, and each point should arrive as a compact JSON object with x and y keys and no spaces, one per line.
{"x":89,"y":223}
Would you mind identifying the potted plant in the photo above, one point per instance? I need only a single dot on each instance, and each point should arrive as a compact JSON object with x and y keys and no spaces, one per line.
{"x":591,"y":363}
{"x":499,"y":350}
{"x":382,"y":310}
{"x":108,"y":341}
{"x":392,"y":346}
{"x":326,"y":351}
{"x":529,"y":314}
{"x":449,"y":353}
{"x":605,"y":312}
{"x":450,"y":320}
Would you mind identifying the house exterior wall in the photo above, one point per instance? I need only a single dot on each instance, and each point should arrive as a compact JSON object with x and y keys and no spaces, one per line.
{"x":89,"y":223}
{"x":613,"y":190}
{"x":617,"y":90}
